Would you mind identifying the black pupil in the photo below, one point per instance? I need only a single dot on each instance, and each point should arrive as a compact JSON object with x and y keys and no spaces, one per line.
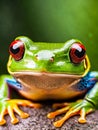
{"x":14,"y":50}
{"x":79,"y":53}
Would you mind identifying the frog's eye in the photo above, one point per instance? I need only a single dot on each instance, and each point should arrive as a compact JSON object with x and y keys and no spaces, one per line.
{"x":16,"y":49}
{"x":77,"y":53}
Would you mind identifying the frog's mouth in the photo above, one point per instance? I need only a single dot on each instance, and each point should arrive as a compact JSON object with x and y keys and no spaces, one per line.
{"x":46,"y":85}
{"x":46,"y":80}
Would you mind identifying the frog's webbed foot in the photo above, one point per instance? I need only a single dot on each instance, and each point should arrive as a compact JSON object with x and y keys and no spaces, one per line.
{"x":81,"y":107}
{"x":11,"y":106}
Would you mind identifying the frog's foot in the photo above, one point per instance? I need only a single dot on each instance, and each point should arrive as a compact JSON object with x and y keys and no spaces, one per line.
{"x":11,"y":106}
{"x":81,"y":107}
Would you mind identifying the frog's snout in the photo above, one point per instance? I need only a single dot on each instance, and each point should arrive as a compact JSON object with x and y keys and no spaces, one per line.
{"x":45,"y":55}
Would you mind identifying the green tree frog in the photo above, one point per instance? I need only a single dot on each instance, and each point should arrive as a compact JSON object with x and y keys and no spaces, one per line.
{"x":48,"y":71}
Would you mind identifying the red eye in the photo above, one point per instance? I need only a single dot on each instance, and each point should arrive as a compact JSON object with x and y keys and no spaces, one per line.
{"x":16,"y":49}
{"x":77,"y":53}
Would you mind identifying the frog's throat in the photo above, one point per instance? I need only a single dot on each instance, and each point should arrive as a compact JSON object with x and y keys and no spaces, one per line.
{"x":86,"y":65}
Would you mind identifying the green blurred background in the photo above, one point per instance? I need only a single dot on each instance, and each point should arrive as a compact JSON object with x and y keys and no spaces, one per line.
{"x":49,"y":21}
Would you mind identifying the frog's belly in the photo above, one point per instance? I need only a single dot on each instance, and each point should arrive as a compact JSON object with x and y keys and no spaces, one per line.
{"x":42,"y":86}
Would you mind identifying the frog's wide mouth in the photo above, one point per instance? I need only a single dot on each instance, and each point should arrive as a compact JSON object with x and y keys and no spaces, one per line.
{"x":47,"y":80}
{"x":30,"y":73}
{"x":46,"y":84}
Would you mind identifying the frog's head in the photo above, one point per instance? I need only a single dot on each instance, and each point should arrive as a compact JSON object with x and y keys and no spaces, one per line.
{"x":43,"y":69}
{"x":67,"y":58}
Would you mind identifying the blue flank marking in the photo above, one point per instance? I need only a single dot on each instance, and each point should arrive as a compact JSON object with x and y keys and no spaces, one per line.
{"x":13,"y":83}
{"x":86,"y":82}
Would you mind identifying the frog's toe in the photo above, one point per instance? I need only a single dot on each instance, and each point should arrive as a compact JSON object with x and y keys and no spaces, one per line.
{"x":27,"y":103}
{"x":20,"y":112}
{"x":82,"y":118}
{"x":60,"y":105}
{"x":10,"y":109}
{"x":57,"y":112}
{"x":83,"y":112}
{"x":14,"y":121}
{"x":2,"y":121}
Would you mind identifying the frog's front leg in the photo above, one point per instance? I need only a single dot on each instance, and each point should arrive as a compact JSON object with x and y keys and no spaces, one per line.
{"x":9,"y":106}
{"x":80,"y":107}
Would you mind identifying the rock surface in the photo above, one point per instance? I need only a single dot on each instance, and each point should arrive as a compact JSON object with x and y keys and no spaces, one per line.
{"x":39,"y":121}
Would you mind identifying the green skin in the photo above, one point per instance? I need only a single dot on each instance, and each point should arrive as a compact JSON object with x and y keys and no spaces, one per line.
{"x":44,"y":52}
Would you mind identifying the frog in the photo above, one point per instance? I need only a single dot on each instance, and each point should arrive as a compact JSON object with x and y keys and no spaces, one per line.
{"x":42,"y":71}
